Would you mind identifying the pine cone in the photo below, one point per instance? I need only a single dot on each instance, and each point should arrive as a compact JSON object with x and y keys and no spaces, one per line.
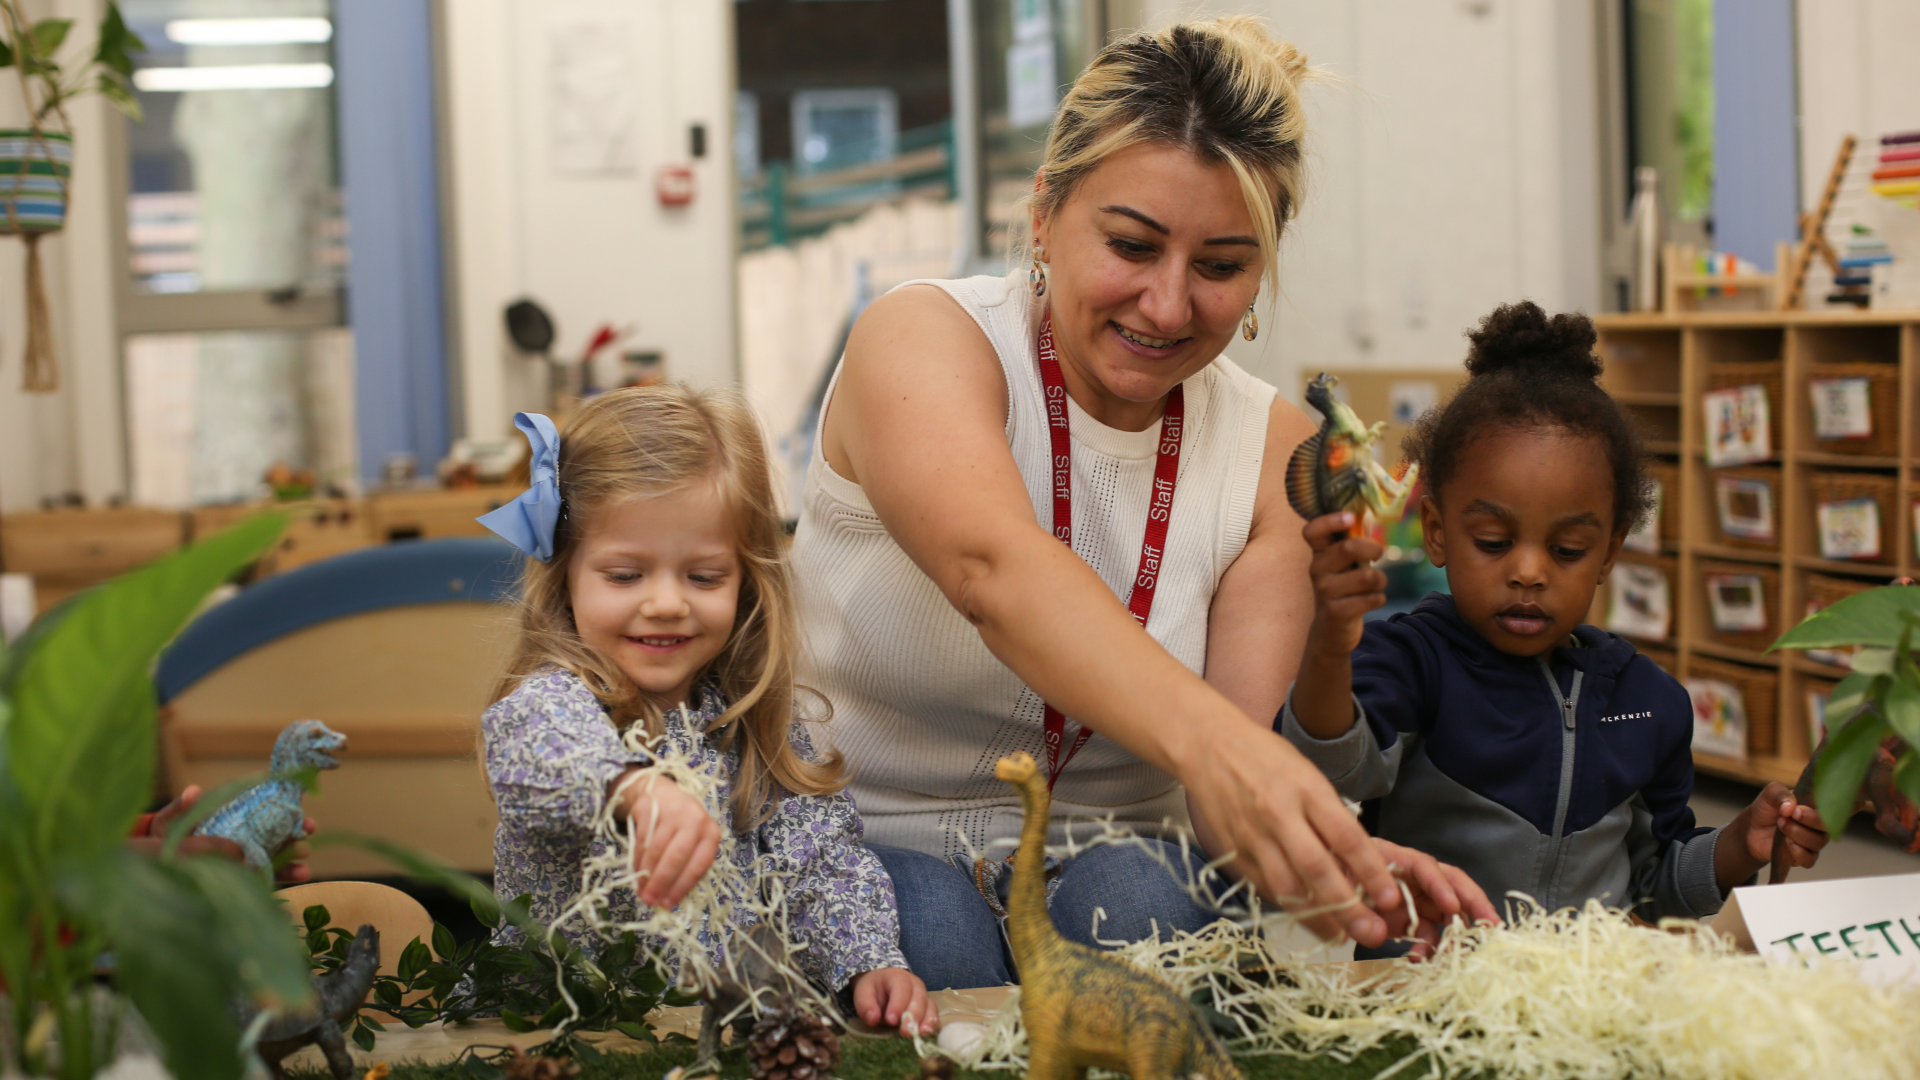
{"x":522,"y":1066}
{"x":788,"y":1044}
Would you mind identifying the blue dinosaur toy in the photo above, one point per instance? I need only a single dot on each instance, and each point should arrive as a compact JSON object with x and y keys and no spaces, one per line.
{"x":267,"y":815}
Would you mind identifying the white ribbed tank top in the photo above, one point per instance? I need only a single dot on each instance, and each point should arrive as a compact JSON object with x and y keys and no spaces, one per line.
{"x":921,"y":709}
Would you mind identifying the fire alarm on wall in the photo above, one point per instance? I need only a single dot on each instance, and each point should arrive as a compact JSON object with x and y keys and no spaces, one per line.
{"x":674,"y":185}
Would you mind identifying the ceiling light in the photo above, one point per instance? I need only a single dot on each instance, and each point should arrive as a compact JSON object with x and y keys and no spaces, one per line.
{"x":234,"y":77}
{"x":249,"y":31}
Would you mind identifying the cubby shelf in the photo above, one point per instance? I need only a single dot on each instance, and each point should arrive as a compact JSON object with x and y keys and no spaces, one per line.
{"x":1660,"y":366}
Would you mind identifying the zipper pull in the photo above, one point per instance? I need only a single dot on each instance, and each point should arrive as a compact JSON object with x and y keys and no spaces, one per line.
{"x":1566,"y":710}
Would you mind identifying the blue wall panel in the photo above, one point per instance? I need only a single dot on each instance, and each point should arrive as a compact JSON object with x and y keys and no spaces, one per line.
{"x":1756,"y":157}
{"x":383,"y":52}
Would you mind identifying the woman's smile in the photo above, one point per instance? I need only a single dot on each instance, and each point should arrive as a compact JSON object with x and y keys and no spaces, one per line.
{"x":1153,"y":348}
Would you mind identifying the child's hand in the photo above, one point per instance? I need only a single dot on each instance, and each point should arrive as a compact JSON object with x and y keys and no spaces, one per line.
{"x":1746,"y":844}
{"x":895,"y":998}
{"x":1776,"y":811}
{"x":1346,"y":585}
{"x":674,"y":838}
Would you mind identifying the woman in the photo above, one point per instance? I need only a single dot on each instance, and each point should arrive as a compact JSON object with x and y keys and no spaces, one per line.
{"x":974,"y":425}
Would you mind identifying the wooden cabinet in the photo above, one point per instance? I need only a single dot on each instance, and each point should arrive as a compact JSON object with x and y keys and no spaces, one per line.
{"x":1661,"y":367}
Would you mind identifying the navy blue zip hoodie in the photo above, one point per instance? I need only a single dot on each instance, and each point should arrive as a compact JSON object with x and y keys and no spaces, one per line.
{"x":1563,"y":777}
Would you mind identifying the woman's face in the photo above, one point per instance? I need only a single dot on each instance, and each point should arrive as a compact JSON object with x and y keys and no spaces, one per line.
{"x":1151,"y":263}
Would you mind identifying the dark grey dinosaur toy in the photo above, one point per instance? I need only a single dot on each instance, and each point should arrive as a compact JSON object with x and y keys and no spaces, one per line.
{"x":758,"y":961}
{"x":324,"y":1023}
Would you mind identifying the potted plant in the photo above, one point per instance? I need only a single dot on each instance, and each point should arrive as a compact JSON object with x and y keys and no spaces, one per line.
{"x":184,"y":939}
{"x":1873,"y":715}
{"x":36,"y":161}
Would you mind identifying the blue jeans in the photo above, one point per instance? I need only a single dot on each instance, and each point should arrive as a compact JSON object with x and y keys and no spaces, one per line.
{"x":953,"y":940}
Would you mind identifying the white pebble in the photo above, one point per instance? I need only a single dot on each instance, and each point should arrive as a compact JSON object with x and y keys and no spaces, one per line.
{"x":961,"y":1037}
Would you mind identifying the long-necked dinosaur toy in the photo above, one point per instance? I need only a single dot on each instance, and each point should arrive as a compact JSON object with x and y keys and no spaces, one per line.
{"x":1083,"y":1007}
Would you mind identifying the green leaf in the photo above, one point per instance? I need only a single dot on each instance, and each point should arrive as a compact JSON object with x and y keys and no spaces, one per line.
{"x":175,"y":958}
{"x":114,"y":90}
{"x":413,"y":960}
{"x":514,"y":1021}
{"x":81,"y":741}
{"x":1906,"y":774}
{"x":1872,"y":617}
{"x":443,"y":943}
{"x":117,"y":43}
{"x":1900,"y":704}
{"x":1843,"y":767}
{"x":49,"y":34}
{"x":1872,"y":660}
{"x":1846,"y":699}
{"x":6,"y":55}
{"x":388,"y":994}
{"x":638,"y":1032}
{"x":316,"y":917}
{"x":363,"y":1038}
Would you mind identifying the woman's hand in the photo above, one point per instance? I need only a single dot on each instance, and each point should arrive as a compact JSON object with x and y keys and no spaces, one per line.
{"x":675,"y":840}
{"x":895,"y":998}
{"x":1441,"y":893}
{"x":1294,"y":838}
{"x":1346,"y":584}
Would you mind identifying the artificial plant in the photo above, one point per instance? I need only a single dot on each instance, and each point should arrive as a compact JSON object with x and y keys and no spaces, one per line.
{"x":33,"y":49}
{"x":1880,"y":699}
{"x":184,"y":938}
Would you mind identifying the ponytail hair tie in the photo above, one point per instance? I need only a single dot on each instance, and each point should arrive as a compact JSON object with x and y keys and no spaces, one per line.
{"x":528,"y":522}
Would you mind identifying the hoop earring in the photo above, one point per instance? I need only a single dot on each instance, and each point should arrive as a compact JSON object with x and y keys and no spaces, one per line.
{"x":1037,"y":275}
{"x":1250,"y":326}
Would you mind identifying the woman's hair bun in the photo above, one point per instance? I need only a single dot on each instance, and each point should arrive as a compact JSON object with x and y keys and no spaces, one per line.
{"x":1520,"y":337}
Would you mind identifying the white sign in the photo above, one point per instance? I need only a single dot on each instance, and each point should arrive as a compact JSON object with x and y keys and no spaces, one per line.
{"x":1871,"y":921}
{"x":1719,"y":717}
{"x":1032,"y":83}
{"x":1849,"y":529}
{"x":1841,"y":409}
{"x":1739,"y":426}
{"x":593,"y":81}
{"x":1406,"y":401}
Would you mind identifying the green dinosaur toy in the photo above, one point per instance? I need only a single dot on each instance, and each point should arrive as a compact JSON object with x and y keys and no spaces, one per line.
{"x":1333,"y":469}
{"x":1083,"y":1007}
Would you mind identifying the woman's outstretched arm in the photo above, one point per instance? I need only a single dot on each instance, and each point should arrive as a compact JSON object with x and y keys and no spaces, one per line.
{"x":918,"y":420}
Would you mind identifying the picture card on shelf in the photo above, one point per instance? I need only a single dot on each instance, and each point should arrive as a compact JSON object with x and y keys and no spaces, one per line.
{"x":1739,"y":425}
{"x":1746,"y":507}
{"x":1719,"y":717}
{"x":1842,"y":408}
{"x":1639,"y":604}
{"x":1738,"y":602}
{"x":1646,"y":538}
{"x":1870,"y":922}
{"x":1849,"y":529}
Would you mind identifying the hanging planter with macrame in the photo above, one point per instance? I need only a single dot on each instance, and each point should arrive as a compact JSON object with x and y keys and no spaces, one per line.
{"x":36,"y":162}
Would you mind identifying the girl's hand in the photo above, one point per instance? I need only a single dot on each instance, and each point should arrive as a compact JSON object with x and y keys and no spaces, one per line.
{"x":1440,"y":893}
{"x":675,"y":840}
{"x":895,"y":998}
{"x":1346,"y":585}
{"x":1776,"y":811}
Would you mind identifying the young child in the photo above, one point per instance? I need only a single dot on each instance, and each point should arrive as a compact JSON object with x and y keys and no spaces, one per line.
{"x":656,"y":593}
{"x":1496,"y":732}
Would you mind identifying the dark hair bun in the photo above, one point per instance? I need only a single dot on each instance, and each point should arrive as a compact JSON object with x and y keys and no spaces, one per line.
{"x":1521,"y":337}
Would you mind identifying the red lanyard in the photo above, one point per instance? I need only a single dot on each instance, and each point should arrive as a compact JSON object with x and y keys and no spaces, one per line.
{"x":1166,"y":473}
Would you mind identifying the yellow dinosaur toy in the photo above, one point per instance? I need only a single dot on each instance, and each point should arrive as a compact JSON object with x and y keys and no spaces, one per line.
{"x":1084,"y":1007}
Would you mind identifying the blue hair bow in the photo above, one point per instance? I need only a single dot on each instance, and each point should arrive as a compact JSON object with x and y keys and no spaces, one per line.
{"x":529,"y":520}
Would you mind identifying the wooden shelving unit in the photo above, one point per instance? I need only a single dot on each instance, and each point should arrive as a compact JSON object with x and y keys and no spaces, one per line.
{"x":1659,"y":367}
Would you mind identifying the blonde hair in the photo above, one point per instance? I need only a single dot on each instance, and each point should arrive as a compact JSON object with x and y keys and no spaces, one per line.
{"x":1225,"y":90}
{"x":649,"y":441}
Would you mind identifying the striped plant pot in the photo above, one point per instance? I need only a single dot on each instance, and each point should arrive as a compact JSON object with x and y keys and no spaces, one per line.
{"x":33,"y":180}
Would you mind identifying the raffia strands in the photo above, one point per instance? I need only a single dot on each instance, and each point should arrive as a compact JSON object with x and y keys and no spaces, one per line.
{"x":1580,"y":995}
{"x":673,"y":939}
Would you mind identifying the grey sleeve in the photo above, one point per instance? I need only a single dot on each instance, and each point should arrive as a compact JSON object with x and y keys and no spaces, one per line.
{"x":1677,"y":881}
{"x":1353,"y":761}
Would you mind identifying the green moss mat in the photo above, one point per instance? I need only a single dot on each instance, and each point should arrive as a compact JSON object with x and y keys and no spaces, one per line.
{"x":884,"y":1059}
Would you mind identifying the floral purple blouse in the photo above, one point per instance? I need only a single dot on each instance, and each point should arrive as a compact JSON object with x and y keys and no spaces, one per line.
{"x":551,"y":753}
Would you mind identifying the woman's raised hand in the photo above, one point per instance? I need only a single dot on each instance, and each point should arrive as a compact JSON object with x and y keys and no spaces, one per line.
{"x":675,"y":840}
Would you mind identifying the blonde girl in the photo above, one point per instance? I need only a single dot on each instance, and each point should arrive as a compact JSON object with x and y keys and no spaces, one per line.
{"x":656,"y":593}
